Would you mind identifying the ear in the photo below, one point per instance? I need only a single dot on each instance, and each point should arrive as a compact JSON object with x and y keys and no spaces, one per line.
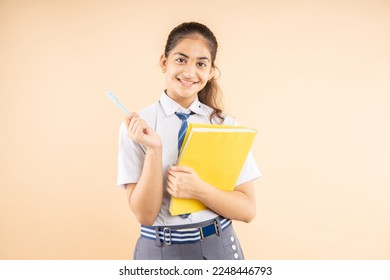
{"x":163,"y":62}
{"x":212,"y":72}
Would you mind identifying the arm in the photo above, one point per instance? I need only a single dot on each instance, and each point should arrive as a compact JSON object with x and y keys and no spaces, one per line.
{"x":145,"y":197}
{"x":239,"y":204}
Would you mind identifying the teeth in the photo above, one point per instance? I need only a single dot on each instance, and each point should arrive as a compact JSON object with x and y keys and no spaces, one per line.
{"x":186,"y":83}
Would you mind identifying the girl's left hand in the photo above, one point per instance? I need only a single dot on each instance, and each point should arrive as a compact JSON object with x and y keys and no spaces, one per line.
{"x":183,"y":182}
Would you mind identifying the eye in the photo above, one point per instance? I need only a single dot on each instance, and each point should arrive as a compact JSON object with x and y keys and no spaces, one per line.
{"x":202,"y":64}
{"x":180,"y":60}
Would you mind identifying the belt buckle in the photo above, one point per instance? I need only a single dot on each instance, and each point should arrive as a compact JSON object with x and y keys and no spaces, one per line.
{"x":216,"y":229}
{"x":167,"y":231}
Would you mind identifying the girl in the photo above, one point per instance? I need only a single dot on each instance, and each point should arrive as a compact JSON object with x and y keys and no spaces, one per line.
{"x":148,"y":150}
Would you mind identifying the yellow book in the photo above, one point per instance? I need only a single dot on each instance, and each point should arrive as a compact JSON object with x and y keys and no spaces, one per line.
{"x":217,"y":153}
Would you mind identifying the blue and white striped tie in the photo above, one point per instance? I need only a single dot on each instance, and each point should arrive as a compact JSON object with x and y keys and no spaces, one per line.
{"x":182,"y":132}
{"x":183,"y":129}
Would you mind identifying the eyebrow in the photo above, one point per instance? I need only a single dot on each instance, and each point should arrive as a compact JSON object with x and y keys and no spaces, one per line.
{"x":186,"y":56}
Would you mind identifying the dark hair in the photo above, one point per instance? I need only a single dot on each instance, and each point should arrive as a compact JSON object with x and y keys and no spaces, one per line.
{"x":211,"y":94}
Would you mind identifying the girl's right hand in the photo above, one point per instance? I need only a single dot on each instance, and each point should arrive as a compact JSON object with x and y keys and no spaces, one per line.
{"x":140,"y":132}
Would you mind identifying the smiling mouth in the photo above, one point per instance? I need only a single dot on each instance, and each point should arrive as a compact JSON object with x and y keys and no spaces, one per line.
{"x":186,"y":83}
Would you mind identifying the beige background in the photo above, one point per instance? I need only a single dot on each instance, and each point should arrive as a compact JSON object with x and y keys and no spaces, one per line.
{"x":311,"y":76}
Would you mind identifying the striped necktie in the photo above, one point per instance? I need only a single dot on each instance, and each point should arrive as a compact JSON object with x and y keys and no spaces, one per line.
{"x":183,"y":129}
{"x":182,"y":132}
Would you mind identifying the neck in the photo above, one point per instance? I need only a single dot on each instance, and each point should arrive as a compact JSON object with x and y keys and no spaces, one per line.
{"x":182,"y":101}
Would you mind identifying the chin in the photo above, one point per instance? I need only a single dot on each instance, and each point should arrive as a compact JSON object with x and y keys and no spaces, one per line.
{"x":187,"y":93}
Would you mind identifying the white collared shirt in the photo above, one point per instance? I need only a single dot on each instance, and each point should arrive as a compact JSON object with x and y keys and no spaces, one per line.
{"x":161,"y":117}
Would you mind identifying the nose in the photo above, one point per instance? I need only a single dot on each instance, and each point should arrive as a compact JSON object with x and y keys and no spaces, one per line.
{"x":189,"y":71}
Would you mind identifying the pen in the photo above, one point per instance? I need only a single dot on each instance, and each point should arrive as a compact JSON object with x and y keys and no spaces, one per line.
{"x":117,"y":102}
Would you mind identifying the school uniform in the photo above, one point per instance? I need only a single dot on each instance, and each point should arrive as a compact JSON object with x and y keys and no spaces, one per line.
{"x":201,"y":235}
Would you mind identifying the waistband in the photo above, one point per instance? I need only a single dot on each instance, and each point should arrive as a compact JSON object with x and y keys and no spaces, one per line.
{"x":179,"y":235}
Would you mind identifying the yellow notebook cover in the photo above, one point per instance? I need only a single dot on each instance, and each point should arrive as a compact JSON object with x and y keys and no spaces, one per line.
{"x":217,"y":153}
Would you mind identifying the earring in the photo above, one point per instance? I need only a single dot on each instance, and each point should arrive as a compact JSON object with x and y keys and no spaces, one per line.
{"x":164,"y":70}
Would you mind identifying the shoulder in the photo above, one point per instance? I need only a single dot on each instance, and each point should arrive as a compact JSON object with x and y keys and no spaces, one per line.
{"x":149,"y":113}
{"x":207,"y":110}
{"x":149,"y":110}
{"x":229,"y":120}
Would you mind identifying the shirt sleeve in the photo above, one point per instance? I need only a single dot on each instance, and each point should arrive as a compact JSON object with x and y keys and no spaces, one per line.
{"x":249,"y":171}
{"x":131,"y":156}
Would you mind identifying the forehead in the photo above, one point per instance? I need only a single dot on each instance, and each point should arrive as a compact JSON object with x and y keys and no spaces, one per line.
{"x":193,"y":47}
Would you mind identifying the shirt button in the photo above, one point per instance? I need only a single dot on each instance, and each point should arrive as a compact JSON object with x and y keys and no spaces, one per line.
{"x":236,"y":256}
{"x":232,"y":238}
{"x":234,"y":247}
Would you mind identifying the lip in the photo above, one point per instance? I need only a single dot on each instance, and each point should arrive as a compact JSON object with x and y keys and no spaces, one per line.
{"x":186,"y":83}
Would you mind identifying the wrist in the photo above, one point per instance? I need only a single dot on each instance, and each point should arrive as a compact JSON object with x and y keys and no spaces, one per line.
{"x":204,"y":190}
{"x":155,"y":150}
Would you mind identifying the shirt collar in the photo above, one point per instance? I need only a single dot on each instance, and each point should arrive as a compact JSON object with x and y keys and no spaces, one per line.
{"x":170,"y":106}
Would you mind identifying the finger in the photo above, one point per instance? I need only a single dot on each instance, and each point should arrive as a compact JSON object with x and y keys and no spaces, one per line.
{"x":146,"y":129}
{"x":170,"y":191}
{"x":172,"y":173}
{"x":171,"y":179}
{"x":129,"y":117}
{"x":133,"y":122}
{"x":180,"y":168}
{"x":140,"y":123}
{"x":132,"y":131}
{"x":139,"y":129}
{"x":136,"y":126}
{"x":170,"y":184}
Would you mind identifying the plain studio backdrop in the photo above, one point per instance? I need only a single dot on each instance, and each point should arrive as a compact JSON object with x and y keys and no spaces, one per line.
{"x":311,"y":76}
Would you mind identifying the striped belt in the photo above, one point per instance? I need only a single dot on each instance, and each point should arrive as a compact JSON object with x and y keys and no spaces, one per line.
{"x":178,"y":235}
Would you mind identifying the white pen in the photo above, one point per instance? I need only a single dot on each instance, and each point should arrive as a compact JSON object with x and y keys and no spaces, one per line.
{"x":117,"y":102}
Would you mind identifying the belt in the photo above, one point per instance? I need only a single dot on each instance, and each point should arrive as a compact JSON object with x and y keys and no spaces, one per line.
{"x":177,"y":235}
